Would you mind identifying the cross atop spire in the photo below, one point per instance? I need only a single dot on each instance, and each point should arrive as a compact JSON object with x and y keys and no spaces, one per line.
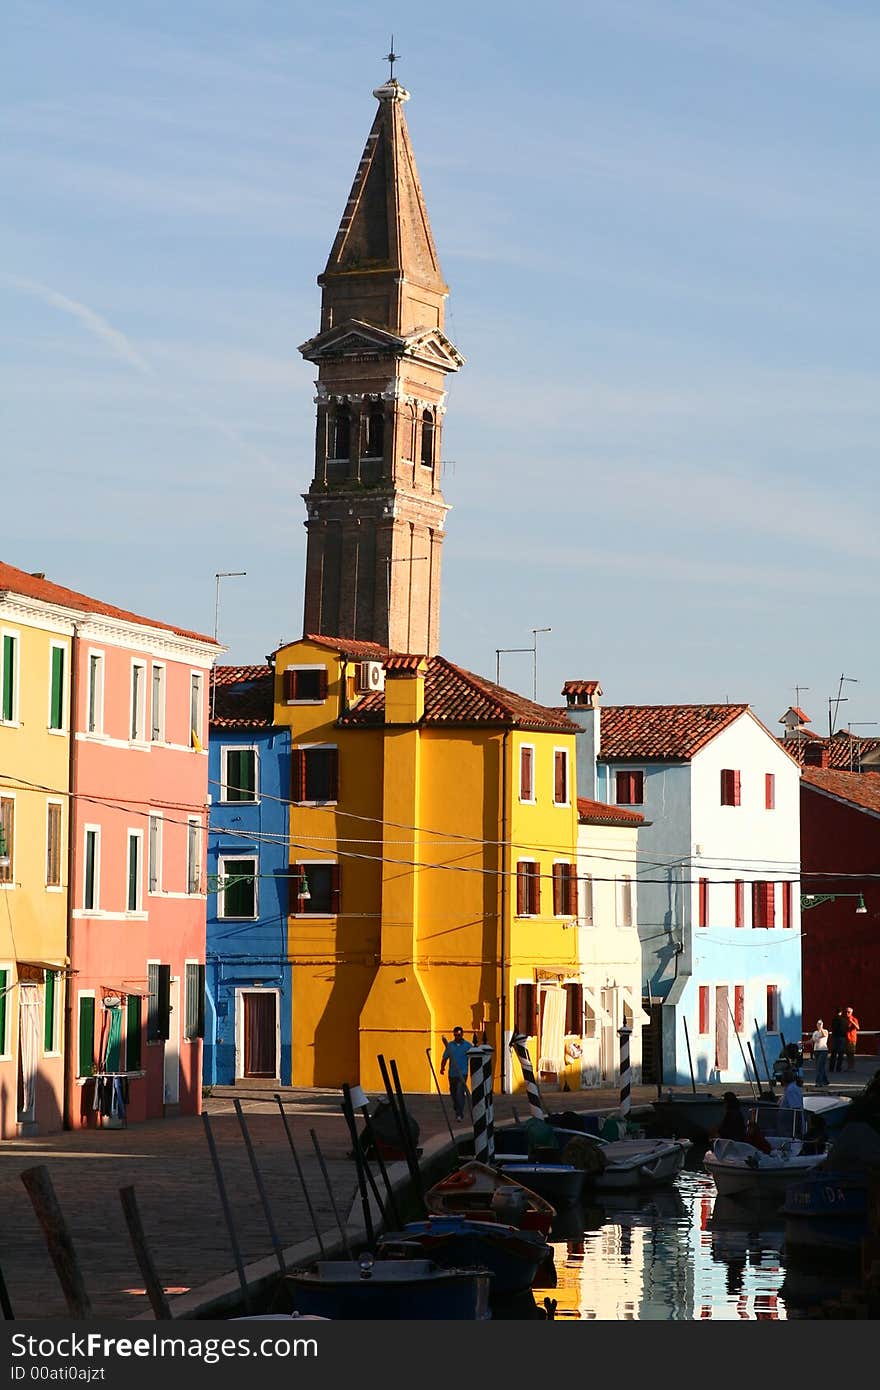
{"x":392,"y":57}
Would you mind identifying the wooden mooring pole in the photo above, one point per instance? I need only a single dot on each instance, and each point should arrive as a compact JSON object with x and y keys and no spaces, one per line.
{"x":38,"y":1185}
{"x":227,"y":1210}
{"x":152,"y":1282}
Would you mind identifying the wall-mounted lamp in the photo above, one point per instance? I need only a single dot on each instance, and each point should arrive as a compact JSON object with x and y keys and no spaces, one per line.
{"x":814,"y":899}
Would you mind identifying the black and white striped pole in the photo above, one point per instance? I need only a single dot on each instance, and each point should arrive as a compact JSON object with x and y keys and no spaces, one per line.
{"x":519,"y":1045}
{"x":624,"y":1034}
{"x":482,"y":1106}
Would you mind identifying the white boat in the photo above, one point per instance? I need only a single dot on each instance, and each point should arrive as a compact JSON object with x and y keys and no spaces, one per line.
{"x":640,"y":1163}
{"x":739,"y":1169}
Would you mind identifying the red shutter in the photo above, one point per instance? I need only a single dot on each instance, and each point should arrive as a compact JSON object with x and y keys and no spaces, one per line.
{"x":335,"y":888}
{"x":769,"y":791}
{"x":290,"y":685}
{"x":322,"y":683}
{"x":558,"y":891}
{"x":574,"y":1009}
{"x":770,"y":911}
{"x":573,"y":891}
{"x":704,"y":902}
{"x":560,"y":790}
{"x":739,"y":903}
{"x":786,"y":904}
{"x":704,"y":1008}
{"x":524,"y":1010}
{"x":736,"y":789}
{"x":521,"y":889}
{"x":525,"y":774}
{"x":638,"y":789}
{"x":295,"y":884}
{"x":739,"y":1007}
{"x":772,"y":1008}
{"x":334,"y":775}
{"x":725,"y":786}
{"x":534,"y":873}
{"x":298,"y":779}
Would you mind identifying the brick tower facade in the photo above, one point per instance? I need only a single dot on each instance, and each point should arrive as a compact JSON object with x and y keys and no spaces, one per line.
{"x":375,"y":512}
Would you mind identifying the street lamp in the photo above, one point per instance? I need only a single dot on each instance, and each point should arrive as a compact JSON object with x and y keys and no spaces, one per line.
{"x":814,"y":899}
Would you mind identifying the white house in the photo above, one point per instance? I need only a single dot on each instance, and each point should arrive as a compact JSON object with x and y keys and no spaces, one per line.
{"x":718,"y":874}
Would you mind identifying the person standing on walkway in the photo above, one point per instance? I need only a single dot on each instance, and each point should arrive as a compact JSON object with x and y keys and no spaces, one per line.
{"x":455,"y":1056}
{"x":852,"y":1037}
{"x":838,"y":1041}
{"x":820,"y":1052}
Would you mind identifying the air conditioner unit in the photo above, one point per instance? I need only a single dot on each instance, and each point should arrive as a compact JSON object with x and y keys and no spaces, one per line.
{"x":370,"y":676}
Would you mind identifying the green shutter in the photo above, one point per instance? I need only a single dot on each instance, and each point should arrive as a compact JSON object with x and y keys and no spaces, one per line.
{"x":56,"y":715}
{"x":49,"y":1012}
{"x":195,"y":1001}
{"x":113,"y":1053}
{"x":3,"y":978}
{"x":8,"y":677}
{"x":133,"y":1033}
{"x":233,"y":775}
{"x":86,"y":1036}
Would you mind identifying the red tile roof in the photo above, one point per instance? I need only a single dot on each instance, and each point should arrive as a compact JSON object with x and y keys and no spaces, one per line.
{"x":454,"y":696}
{"x":860,"y":789}
{"x":662,"y":733}
{"x":16,"y":581}
{"x":403,"y":661}
{"x":243,"y":697}
{"x":598,"y":813}
{"x":844,"y":749}
{"x":348,"y":646}
{"x":581,"y":688}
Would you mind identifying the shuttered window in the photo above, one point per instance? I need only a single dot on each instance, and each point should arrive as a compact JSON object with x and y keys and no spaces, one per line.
{"x":625,"y":901}
{"x":565,"y":890}
{"x":770,"y":791}
{"x":8,"y":677}
{"x":524,"y":1009}
{"x":195,"y":710}
{"x":527,"y":773}
{"x":95,"y":714}
{"x":56,"y":689}
{"x":739,"y":1007}
{"x":133,"y":1023}
{"x":86,"y":1065}
{"x":629,"y":787}
{"x":574,"y":1009}
{"x":704,"y":902}
{"x":560,"y":777}
{"x":135,"y":856}
{"x":240,"y":781}
{"x":49,"y":1007}
{"x":154,"y":862}
{"x":704,"y":1008}
{"x":90,"y":882}
{"x":193,"y":856}
{"x":158,"y":1002}
{"x":308,"y":684}
{"x":739,"y":903}
{"x":528,"y":888}
{"x":194,"y":1025}
{"x":53,"y":845}
{"x":763,"y":904}
{"x":7,"y":838}
{"x":772,"y":1008}
{"x":315,"y":774}
{"x":786,"y":904}
{"x":157,"y":703}
{"x":315,"y":888}
{"x":730,"y":787}
{"x":586,"y":882}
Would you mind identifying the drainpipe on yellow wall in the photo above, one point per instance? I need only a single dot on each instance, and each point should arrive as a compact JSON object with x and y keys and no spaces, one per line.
{"x":66,"y":1118}
{"x":505,"y":857}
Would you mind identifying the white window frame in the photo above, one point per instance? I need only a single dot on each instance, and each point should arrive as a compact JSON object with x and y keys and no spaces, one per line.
{"x":11,"y":981}
{"x":7,"y":884}
{"x":155,"y":818}
{"x":197,"y":728}
{"x":528,"y":800}
{"x":96,"y":831}
{"x":59,"y":886}
{"x":567,"y":801}
{"x":157,"y":667}
{"x":222,"y":861}
{"x":323,"y":864}
{"x":225,"y":750}
{"x":315,"y":666}
{"x":623,"y":889}
{"x":193,"y":823}
{"x":95,"y":661}
{"x":536,"y":864}
{"x":137,"y":712}
{"x":317,"y":747}
{"x":138,"y":836}
{"x":63,"y":648}
{"x":634,"y":767}
{"x":14,"y":633}
{"x":240,"y":992}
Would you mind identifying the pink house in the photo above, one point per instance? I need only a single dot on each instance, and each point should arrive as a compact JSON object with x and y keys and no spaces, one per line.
{"x":139,"y":784}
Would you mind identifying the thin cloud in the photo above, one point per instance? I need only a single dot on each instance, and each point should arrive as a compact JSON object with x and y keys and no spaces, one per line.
{"x":94,"y":323}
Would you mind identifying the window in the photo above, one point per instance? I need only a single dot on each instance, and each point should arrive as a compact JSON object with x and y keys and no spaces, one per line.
{"x":92,"y":869}
{"x":95,"y":711}
{"x":158,"y":1002}
{"x":239,"y":775}
{"x":238,"y":888}
{"x":154,"y":852}
{"x":560,"y":777}
{"x":56,"y":687}
{"x":9,"y":679}
{"x":730,"y":788}
{"x":590,"y":1024}
{"x":133,"y":1023}
{"x":524,"y":1020}
{"x":763,"y":904}
{"x":565,"y":890}
{"x":586,"y":890}
{"x":704,"y":1008}
{"x":427,"y":439}
{"x":193,"y":856}
{"x":53,"y":844}
{"x":739,"y":1008}
{"x":527,"y":773}
{"x":770,"y":791}
{"x":739,"y":903}
{"x":195,"y":710}
{"x":374,"y":441}
{"x":194,"y":1023}
{"x":305,"y":684}
{"x":4,"y":985}
{"x":786,"y":903}
{"x":528,"y":888}
{"x":157,"y":704}
{"x":574,"y":1009}
{"x":704,"y":902}
{"x":315,"y":774}
{"x":772,"y":1008}
{"x":625,"y":901}
{"x":50,"y":1010}
{"x":340,"y":433}
{"x":135,"y":862}
{"x":86,"y":1059}
{"x":7,"y":839}
{"x":137,"y":728}
{"x":629,"y":787}
{"x":315,"y":888}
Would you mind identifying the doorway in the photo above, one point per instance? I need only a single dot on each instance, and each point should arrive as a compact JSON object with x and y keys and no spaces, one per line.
{"x":258,"y":1038}
{"x":172,"y":1045}
{"x":29,"y":1018}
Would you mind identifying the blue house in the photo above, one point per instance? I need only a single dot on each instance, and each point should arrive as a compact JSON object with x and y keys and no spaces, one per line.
{"x":247,"y":972}
{"x":718,"y":876}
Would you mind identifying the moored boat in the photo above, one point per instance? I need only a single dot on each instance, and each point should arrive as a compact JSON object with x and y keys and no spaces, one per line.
{"x":740,"y":1170}
{"x":486,"y":1194}
{"x":399,"y":1289}
{"x":512,"y":1256}
{"x":559,"y":1183}
{"x":826,"y":1213}
{"x":606,"y":1164}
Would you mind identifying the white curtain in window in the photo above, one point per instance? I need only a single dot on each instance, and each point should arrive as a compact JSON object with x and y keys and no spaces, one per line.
{"x":28,"y":1045}
{"x":552,"y":1049}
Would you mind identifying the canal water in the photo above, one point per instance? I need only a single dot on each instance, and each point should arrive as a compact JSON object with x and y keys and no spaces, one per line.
{"x":682,"y":1253}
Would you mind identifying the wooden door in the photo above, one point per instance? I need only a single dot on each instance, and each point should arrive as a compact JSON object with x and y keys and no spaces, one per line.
{"x":260,"y":1034}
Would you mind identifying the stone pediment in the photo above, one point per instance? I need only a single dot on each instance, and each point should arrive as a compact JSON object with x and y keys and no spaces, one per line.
{"x":355,"y":338}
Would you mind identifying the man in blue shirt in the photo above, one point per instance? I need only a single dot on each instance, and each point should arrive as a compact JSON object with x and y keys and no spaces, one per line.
{"x":456,"y":1055}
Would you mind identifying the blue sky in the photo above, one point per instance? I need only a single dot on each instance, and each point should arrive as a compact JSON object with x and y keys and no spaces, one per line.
{"x":659,"y":224}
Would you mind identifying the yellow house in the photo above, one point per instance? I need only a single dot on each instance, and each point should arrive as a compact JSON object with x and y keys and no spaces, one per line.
{"x":433,"y":851}
{"x":34,"y":776}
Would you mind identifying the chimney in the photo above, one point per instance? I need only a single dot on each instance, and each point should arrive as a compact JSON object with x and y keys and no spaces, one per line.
{"x":582,"y":701}
{"x":817,"y":754}
{"x":404,"y":689}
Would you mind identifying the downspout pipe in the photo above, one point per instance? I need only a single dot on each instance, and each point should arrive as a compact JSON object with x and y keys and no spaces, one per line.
{"x":67,"y":1118}
{"x":505,"y":862}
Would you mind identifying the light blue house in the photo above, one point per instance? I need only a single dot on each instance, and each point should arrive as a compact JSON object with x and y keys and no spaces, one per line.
{"x":248,"y":996}
{"x":718,"y":876}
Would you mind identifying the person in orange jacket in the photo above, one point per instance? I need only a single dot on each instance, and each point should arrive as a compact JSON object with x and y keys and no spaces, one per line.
{"x":852,"y":1037}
